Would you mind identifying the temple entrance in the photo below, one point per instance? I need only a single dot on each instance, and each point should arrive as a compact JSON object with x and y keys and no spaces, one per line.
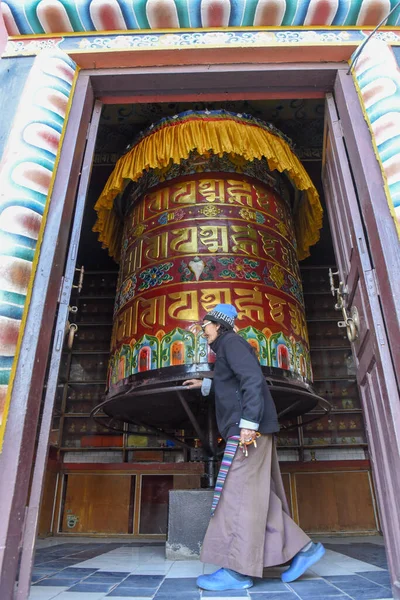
{"x":127,"y":472}
{"x":91,"y":453}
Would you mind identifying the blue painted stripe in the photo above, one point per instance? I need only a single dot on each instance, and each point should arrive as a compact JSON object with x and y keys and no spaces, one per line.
{"x":342,"y":12}
{"x":21,"y":189}
{"x":389,"y":148}
{"x":195,"y":13}
{"x":370,"y":75}
{"x":301,"y":12}
{"x":127,"y":9}
{"x":6,"y":362}
{"x":17,"y":240}
{"x":395,"y":193}
{"x":20,"y":18}
{"x":11,"y":311}
{"x":237,"y":12}
{"x":42,"y":156}
{"x":23,"y":202}
{"x":84,"y":15}
{"x":391,"y":104}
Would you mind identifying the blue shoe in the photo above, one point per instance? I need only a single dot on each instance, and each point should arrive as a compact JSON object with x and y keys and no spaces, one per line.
{"x":303,"y":561}
{"x":224,"y":579}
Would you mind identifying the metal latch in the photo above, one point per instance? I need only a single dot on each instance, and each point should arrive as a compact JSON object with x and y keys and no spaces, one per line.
{"x":350,"y":321}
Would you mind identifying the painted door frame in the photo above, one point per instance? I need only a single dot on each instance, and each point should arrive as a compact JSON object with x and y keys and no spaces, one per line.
{"x":145,"y":85}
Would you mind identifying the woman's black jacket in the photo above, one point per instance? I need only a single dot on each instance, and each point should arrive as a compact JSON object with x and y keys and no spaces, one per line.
{"x":242,"y":396}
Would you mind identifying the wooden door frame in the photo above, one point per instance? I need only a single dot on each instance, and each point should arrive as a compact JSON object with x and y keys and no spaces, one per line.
{"x":186,"y":83}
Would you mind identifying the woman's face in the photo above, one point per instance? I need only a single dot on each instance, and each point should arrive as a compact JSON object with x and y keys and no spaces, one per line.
{"x":210,"y":331}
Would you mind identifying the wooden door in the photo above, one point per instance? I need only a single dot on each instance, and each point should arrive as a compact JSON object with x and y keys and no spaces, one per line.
{"x":97,"y":503}
{"x":373,"y":360}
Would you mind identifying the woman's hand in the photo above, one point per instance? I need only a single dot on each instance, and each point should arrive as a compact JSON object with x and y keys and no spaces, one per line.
{"x":193,"y":384}
{"x":247,"y":436}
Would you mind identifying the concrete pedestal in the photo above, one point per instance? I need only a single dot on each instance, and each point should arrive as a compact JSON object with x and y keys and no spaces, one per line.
{"x":189,"y":513}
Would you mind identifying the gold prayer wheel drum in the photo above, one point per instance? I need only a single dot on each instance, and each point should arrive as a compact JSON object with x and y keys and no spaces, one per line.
{"x":195,"y":242}
{"x":212,"y":227}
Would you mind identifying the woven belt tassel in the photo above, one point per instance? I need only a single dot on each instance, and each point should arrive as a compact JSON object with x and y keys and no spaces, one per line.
{"x":229,"y":454}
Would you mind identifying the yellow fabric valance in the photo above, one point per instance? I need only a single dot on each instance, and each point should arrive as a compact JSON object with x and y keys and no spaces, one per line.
{"x":204,"y":132}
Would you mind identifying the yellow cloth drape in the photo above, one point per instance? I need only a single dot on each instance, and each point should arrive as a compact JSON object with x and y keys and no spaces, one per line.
{"x":175,"y":142}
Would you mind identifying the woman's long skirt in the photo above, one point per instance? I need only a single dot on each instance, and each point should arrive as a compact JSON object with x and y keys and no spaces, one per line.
{"x":251,"y":527}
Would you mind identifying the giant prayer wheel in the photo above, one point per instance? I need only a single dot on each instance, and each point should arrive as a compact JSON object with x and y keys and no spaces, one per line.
{"x":219,"y":211}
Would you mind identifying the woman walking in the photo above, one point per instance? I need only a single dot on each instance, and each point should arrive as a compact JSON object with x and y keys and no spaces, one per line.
{"x":251,"y":527}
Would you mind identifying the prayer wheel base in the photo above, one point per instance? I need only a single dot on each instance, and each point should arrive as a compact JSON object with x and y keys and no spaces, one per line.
{"x":158,"y":400}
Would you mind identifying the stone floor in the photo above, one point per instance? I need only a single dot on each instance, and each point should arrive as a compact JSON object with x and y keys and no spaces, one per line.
{"x":87,"y":569}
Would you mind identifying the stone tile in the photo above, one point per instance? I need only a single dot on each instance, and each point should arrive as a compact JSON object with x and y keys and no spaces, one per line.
{"x":45,"y":593}
{"x":176,"y":571}
{"x":103,"y":574}
{"x":123,"y":592}
{"x":225,"y":595}
{"x":274,"y":596}
{"x":186,"y":584}
{"x":268,"y":585}
{"x":370,"y":553}
{"x":55,"y":582}
{"x":314,"y":589}
{"x":93,"y":587}
{"x":81,"y":596}
{"x":125,"y":597}
{"x":182,"y":595}
{"x":71,"y":571}
{"x":143,"y":581}
{"x":381,"y":577}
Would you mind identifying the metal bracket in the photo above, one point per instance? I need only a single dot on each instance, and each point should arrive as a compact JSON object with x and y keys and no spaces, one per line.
{"x":350,"y":321}
{"x":81,"y":272}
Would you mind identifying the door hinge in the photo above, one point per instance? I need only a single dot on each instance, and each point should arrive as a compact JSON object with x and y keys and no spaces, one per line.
{"x":88,"y":129}
{"x":340,"y":127}
{"x":372,"y":282}
{"x":61,"y":290}
{"x":65,"y":291}
{"x":376,"y":282}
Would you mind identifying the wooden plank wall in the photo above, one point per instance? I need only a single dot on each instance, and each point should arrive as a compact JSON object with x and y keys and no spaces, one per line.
{"x":323,"y":497}
{"x":331,"y":497}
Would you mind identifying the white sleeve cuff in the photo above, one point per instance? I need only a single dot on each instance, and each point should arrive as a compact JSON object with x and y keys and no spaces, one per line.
{"x":245,"y":424}
{"x":206,"y":387}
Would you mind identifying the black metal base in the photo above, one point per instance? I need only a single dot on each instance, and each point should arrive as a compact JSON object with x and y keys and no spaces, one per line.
{"x":157,"y":401}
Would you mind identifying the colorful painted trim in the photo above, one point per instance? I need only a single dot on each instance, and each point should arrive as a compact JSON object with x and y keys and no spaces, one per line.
{"x":26,"y":178}
{"x":229,"y":454}
{"x":188,"y":346}
{"x":27,"y":17}
{"x":244,"y":38}
{"x":377,"y":75}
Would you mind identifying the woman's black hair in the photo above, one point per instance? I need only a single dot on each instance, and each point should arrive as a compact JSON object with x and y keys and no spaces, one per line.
{"x":223,"y":328}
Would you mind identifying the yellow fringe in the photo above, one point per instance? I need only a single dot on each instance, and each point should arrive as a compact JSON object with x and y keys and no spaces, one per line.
{"x":175,"y":142}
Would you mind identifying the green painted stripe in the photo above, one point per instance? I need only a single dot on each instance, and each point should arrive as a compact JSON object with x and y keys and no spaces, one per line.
{"x":5,"y":376}
{"x":12,"y":298}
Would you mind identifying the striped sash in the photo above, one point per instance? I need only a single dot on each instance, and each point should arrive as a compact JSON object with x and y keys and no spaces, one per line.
{"x":229,"y":454}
